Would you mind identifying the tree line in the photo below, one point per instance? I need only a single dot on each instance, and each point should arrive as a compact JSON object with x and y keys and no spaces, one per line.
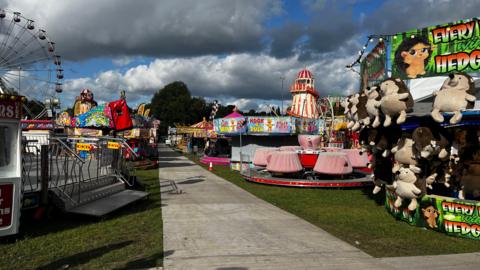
{"x":173,"y":104}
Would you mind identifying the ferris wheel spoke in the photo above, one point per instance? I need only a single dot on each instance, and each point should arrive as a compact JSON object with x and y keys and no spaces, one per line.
{"x":26,"y":51}
{"x":9,"y":84}
{"x":29,"y":77}
{"x":13,"y":42}
{"x":9,"y":30}
{"x":33,"y":70}
{"x":27,"y":88}
{"x":25,"y":63}
{"x":13,"y":52}
{"x":31,"y":53}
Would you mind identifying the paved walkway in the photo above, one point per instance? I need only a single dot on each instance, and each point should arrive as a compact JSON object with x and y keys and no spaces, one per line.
{"x":214,"y":224}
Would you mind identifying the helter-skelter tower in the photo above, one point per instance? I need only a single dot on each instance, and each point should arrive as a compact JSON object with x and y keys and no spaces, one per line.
{"x":304,"y":96}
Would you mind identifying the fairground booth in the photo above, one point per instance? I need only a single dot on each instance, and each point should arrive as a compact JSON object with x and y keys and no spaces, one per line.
{"x":193,"y":138}
{"x":417,"y":113}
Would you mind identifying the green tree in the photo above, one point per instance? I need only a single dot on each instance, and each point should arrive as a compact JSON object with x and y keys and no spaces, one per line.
{"x":171,"y":105}
{"x":198,"y":109}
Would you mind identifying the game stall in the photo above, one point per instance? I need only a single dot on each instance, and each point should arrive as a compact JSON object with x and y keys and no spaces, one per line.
{"x":417,"y":113}
{"x":11,"y":185}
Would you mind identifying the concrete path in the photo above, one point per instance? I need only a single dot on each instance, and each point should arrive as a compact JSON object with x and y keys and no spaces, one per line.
{"x":466,"y":261}
{"x":214,"y":224}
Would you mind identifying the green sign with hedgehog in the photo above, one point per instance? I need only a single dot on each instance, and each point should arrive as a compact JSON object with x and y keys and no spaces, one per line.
{"x":436,"y":50}
{"x":454,"y":217}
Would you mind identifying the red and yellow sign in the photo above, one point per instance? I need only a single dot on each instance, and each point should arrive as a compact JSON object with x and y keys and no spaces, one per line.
{"x":10,"y":107}
{"x":84,"y":146}
{"x":6,"y":204}
{"x":113,"y":145}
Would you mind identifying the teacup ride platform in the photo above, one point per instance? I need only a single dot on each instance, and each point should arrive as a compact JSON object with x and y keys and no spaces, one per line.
{"x":307,"y":167}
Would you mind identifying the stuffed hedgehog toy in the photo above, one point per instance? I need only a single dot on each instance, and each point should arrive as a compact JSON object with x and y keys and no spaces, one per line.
{"x":382,"y":174}
{"x":362,"y":114}
{"x":405,"y":187}
{"x":403,"y":153}
{"x":457,"y":93}
{"x":429,"y":143}
{"x":373,"y":106}
{"x":350,"y":105}
{"x":396,"y":100}
{"x":383,"y":138}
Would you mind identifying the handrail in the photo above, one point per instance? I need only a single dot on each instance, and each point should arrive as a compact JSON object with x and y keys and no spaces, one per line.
{"x":121,"y":140}
{"x":124,"y":143}
{"x":69,"y":149}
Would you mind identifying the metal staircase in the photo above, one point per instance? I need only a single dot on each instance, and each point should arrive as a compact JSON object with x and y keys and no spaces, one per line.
{"x":93,"y":181}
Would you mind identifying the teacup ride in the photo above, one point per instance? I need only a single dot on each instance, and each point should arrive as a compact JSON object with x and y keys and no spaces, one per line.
{"x":310,"y":166}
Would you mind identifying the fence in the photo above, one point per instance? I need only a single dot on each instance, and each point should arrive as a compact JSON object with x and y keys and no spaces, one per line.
{"x":72,"y":164}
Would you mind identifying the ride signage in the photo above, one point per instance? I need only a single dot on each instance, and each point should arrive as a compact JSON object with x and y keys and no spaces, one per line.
{"x":113,"y":145}
{"x":83,"y":146}
{"x":10,"y":108}
{"x":6,"y":204}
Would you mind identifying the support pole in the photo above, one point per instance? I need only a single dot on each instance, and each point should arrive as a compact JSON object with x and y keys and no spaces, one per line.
{"x":44,"y":169}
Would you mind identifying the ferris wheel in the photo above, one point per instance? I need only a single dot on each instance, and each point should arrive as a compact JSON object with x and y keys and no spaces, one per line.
{"x":29,"y":65}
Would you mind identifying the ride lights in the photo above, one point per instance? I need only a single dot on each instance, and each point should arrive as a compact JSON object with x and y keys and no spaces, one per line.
{"x":12,"y":98}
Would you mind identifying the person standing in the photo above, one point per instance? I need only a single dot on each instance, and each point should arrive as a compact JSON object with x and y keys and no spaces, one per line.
{"x":207,"y":145}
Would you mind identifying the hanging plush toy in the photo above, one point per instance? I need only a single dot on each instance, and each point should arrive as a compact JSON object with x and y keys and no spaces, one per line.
{"x":350,"y":105}
{"x":383,"y":138}
{"x":373,"y":106}
{"x":429,"y":144}
{"x":396,"y":100}
{"x":403,"y":154}
{"x":362,"y":114}
{"x":405,"y":187}
{"x":457,"y":93}
{"x":382,"y":174}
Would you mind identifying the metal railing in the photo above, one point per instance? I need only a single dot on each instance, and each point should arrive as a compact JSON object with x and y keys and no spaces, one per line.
{"x":77,"y":164}
{"x":30,"y":167}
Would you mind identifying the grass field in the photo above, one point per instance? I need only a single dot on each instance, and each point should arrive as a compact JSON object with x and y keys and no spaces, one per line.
{"x":357,"y":217}
{"x":128,"y":238}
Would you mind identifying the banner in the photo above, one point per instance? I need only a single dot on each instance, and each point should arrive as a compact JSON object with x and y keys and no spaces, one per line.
{"x":436,"y":50}
{"x":308,"y":126}
{"x":455,"y":217}
{"x":230,"y":126}
{"x":372,"y":67}
{"x":37,"y":125}
{"x":269,"y":125}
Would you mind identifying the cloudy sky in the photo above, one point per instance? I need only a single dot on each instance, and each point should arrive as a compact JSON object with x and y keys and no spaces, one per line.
{"x":233,"y":51}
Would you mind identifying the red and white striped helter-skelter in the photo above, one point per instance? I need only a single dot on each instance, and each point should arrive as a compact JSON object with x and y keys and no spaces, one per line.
{"x":29,"y":64}
{"x":304,"y":96}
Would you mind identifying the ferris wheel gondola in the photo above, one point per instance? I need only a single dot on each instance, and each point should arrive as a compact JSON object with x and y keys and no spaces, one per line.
{"x":29,"y":64}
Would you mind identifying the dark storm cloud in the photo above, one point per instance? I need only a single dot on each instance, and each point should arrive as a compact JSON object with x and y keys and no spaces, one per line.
{"x":401,"y":16}
{"x":284,"y":39}
{"x":331,"y":30}
{"x":330,"y":25}
{"x":90,"y":28}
